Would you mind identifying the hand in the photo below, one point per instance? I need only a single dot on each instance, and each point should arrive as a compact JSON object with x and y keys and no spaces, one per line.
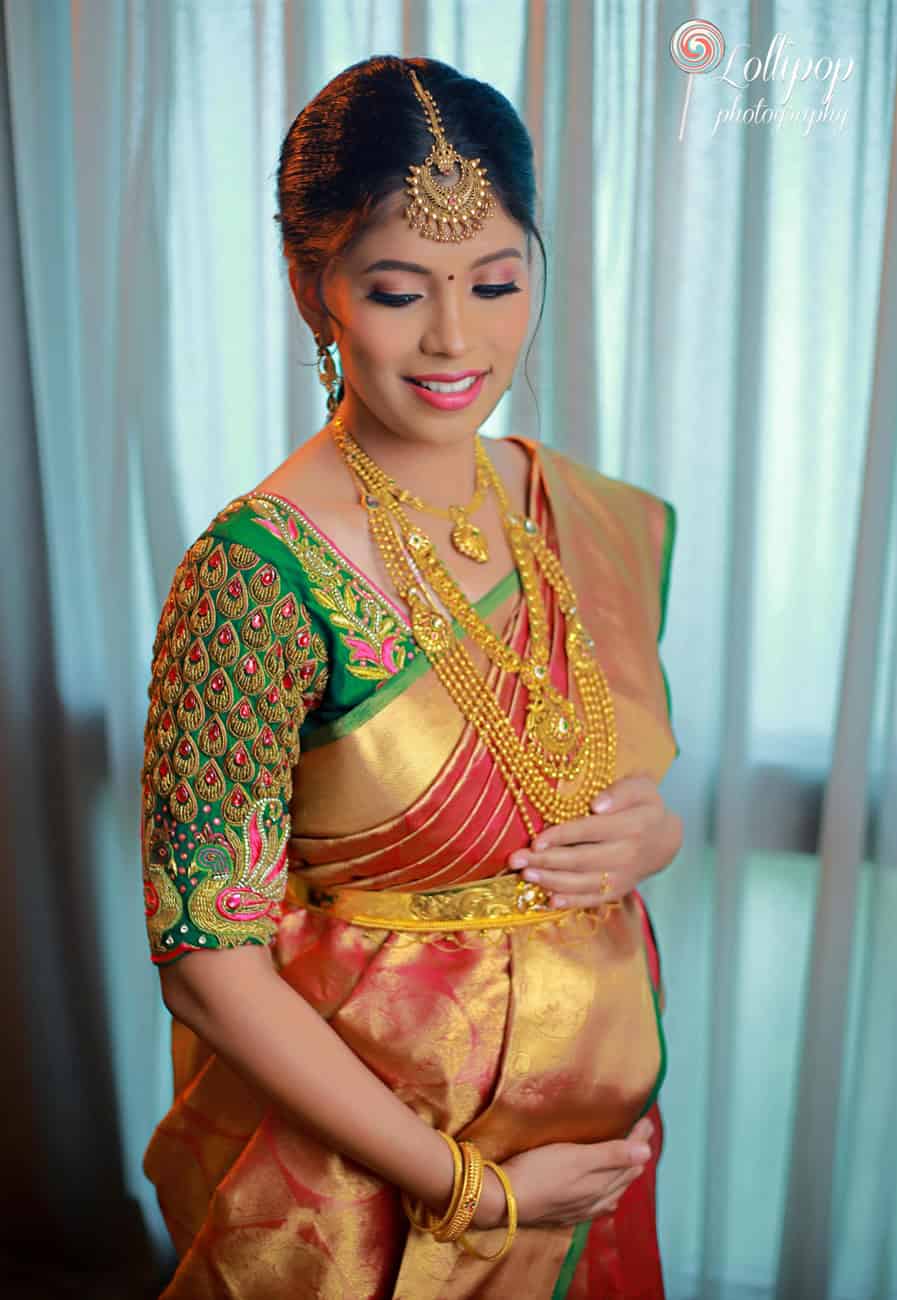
{"x":599,"y":859}
{"x":567,"y":1182}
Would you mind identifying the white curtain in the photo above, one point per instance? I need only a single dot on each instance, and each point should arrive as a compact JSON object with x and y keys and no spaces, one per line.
{"x":721,"y":327}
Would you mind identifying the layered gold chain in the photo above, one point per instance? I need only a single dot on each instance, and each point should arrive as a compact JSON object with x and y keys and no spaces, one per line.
{"x":466,"y":537}
{"x":556,"y":743}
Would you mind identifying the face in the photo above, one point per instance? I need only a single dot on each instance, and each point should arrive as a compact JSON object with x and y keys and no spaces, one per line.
{"x":428,"y":333}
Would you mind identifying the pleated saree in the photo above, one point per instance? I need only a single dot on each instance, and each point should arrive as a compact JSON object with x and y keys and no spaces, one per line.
{"x":298,"y":742}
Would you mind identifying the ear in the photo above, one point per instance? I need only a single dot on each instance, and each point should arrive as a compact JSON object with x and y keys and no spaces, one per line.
{"x":304,"y":285}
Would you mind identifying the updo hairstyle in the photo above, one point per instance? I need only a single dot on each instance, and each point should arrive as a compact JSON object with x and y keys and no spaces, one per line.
{"x":352,"y":146}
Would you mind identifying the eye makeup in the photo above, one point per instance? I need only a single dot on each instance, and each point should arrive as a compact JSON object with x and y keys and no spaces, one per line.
{"x":488,"y":290}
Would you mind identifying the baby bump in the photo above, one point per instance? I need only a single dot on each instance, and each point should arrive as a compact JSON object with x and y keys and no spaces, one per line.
{"x":546,"y":1034}
{"x":583,"y":1052}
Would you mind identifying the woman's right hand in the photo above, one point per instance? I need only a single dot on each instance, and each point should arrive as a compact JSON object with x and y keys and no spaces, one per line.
{"x":567,"y":1182}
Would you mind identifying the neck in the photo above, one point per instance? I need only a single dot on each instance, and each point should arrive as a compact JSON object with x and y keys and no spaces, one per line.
{"x":441,"y":472}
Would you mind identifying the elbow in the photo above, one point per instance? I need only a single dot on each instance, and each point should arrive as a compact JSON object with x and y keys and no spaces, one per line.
{"x":199,"y":987}
{"x":182,"y":993}
{"x":176,"y":994}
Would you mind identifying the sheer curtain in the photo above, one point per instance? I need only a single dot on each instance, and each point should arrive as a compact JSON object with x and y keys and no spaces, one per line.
{"x":721,"y":327}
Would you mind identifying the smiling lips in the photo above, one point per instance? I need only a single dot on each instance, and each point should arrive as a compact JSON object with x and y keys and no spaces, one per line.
{"x":448,"y":392}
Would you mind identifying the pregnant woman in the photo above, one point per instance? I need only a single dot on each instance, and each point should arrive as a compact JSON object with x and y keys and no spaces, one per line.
{"x":407,"y":722}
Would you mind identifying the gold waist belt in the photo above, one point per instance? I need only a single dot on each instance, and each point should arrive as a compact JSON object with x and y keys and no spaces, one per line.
{"x":486,"y":904}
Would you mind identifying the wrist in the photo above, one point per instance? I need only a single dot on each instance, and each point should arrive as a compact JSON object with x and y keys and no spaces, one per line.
{"x":669,"y":844}
{"x":492,"y":1211}
{"x":434,"y":1177}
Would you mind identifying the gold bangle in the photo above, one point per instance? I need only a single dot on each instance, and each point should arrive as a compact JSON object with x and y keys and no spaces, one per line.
{"x":512,"y":1216}
{"x":457,"y":1188}
{"x":470,"y":1196}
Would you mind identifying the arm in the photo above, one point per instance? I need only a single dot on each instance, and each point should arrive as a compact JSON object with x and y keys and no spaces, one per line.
{"x":236,"y":664}
{"x":235,"y":1000}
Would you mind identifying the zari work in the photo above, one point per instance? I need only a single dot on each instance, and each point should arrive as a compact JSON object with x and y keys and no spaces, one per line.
{"x":506,"y":1038}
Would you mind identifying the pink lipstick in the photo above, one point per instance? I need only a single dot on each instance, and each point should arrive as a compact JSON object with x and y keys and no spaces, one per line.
{"x":448,"y":392}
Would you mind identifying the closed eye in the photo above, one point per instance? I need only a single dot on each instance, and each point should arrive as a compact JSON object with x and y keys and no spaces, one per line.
{"x":392,"y":299}
{"x":496,"y":290}
{"x":403,"y":299}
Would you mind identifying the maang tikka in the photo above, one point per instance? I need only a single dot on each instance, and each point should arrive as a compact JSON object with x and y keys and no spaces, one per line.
{"x":453,"y":208}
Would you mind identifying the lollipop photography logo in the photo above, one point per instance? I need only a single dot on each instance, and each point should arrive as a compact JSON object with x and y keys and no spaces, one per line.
{"x":697,"y":47}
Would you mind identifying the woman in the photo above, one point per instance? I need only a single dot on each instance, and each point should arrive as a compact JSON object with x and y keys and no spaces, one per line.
{"x":428,"y":948}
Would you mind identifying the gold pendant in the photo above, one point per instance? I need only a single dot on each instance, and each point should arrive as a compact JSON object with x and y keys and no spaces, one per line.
{"x":431,"y":631}
{"x":469,"y":540}
{"x":555,"y":736}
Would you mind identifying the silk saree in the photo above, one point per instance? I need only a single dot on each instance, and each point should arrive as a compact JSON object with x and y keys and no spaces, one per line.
{"x":297,"y":742}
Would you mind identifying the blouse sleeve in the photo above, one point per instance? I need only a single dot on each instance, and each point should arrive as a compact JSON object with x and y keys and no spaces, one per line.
{"x":237,"y":664}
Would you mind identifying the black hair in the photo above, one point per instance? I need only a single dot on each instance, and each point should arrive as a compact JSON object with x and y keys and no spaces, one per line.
{"x":351,"y":147}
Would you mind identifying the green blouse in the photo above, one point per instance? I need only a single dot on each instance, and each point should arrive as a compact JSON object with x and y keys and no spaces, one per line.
{"x":270,"y":641}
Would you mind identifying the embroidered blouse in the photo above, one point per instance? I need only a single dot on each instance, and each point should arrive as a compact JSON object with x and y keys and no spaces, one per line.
{"x":268,"y":634}
{"x":270,"y":641}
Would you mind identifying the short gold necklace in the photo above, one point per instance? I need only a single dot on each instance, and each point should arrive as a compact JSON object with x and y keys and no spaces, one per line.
{"x":466,"y":537}
{"x":555,"y":743}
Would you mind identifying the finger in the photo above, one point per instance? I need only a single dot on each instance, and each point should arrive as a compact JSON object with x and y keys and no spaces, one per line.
{"x":581,"y":857}
{"x":606,"y":1184}
{"x":621,"y":1181}
{"x":597,"y":835}
{"x":607,"y":882}
{"x":580,"y":830}
{"x":604,"y":1207}
{"x":642,"y":1130}
{"x":635,"y":788}
{"x":609,"y":1200}
{"x":619,"y":1153}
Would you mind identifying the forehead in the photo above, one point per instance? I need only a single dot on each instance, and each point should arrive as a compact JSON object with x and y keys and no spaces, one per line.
{"x":388,"y":235}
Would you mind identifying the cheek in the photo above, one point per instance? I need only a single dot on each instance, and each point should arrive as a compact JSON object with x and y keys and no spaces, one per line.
{"x":515,"y":321}
{"x":375,"y":339}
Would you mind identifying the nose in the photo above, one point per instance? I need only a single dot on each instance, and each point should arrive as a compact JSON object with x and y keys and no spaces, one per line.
{"x":445,"y":333}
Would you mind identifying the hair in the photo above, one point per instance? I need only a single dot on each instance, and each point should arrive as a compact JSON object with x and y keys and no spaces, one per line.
{"x":351,"y":147}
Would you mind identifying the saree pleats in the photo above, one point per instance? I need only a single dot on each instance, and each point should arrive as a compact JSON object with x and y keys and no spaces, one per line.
{"x":513,"y":1038}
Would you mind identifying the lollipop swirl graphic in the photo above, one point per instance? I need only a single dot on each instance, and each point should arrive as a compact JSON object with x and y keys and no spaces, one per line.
{"x":696,"y":46}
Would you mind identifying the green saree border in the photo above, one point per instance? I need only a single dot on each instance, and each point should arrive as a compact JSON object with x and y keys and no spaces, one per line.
{"x":581,"y":1231}
{"x":669,"y":539}
{"x":414,"y":668}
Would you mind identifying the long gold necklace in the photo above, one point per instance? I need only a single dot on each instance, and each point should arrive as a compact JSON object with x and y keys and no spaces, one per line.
{"x":555,"y":744}
{"x":465,"y":536}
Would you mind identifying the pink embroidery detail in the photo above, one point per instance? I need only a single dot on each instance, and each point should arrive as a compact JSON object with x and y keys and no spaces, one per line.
{"x":151,"y":900}
{"x":363,"y":652}
{"x":255,"y":839}
{"x":244,"y":905}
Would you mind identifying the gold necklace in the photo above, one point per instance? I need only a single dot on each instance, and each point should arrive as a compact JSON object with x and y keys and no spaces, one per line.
{"x":466,"y":537}
{"x":555,"y":743}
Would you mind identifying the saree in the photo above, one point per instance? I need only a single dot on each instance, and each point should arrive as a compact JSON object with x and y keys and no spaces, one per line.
{"x":326,"y":754}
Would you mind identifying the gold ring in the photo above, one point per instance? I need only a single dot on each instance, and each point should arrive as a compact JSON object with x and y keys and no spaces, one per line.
{"x":604,"y":883}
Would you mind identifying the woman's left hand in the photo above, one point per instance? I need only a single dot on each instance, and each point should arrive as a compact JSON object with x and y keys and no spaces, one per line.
{"x":599,"y":859}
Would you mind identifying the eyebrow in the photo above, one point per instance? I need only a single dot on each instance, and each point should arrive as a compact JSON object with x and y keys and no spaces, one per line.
{"x":392,"y":264}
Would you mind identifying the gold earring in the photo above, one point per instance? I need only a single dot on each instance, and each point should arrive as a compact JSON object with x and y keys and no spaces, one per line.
{"x":328,"y":376}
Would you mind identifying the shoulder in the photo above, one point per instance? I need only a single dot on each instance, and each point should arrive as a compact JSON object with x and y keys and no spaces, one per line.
{"x":615,"y":493}
{"x":242,"y":578}
{"x":632,"y":516}
{"x":514,"y":457}
{"x":256,"y":530}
